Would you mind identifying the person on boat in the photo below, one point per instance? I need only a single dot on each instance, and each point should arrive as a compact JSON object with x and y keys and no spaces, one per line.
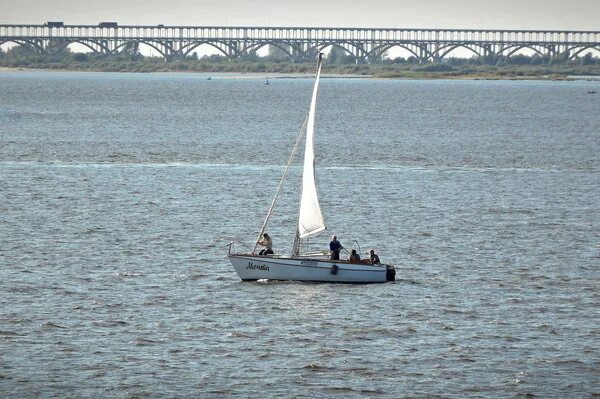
{"x":335,"y":247}
{"x":354,"y":257}
{"x":374,"y":258}
{"x":266,"y":242}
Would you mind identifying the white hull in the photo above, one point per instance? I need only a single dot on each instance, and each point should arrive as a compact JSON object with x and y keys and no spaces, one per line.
{"x":252,"y":267}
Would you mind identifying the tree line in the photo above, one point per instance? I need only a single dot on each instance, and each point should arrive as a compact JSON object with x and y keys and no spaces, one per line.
{"x":277,"y":61}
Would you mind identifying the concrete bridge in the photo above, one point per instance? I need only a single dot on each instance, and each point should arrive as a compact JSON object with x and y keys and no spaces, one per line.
{"x":299,"y":43}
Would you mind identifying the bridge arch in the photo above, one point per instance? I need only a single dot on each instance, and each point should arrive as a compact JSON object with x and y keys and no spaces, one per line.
{"x":580,"y":50}
{"x":156,"y":46}
{"x":87,"y":43}
{"x":445,"y":50}
{"x":188,"y":48}
{"x":124,"y":44}
{"x":516,"y":47}
{"x":377,"y":51}
{"x":283,"y":46}
{"x":32,"y":44}
{"x":351,"y":48}
{"x":322,"y":46}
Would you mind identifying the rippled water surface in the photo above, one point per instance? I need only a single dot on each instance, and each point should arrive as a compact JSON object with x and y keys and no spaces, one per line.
{"x":119,"y":193}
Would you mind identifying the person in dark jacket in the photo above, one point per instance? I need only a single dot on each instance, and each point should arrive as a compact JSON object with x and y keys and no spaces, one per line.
{"x":374,"y":258}
{"x":335,"y":247}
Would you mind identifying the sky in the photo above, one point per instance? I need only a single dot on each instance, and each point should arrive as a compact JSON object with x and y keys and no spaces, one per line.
{"x":495,"y":14}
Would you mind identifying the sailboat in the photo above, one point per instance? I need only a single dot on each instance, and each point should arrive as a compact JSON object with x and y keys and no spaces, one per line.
{"x":301,"y":266}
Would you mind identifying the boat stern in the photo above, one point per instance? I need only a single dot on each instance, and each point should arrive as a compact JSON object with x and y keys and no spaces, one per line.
{"x":390,"y":273}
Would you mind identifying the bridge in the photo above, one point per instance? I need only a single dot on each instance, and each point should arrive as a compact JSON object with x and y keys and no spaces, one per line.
{"x":299,"y":43}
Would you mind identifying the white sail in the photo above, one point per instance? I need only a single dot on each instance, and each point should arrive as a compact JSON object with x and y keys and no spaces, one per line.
{"x":310,"y":219}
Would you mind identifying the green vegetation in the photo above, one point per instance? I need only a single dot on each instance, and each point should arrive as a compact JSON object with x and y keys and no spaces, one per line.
{"x":516,"y":67}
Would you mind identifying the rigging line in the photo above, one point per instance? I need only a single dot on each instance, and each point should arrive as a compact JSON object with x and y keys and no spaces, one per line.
{"x":287,"y":167}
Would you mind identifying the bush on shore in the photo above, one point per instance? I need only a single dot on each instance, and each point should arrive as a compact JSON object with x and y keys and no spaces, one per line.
{"x":519,"y":66}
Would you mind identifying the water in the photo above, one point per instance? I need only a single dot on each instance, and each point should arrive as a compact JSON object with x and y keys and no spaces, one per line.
{"x":119,"y":193}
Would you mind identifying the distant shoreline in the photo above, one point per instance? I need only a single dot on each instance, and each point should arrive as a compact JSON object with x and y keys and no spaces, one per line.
{"x":263,"y":69}
{"x":294,"y":75}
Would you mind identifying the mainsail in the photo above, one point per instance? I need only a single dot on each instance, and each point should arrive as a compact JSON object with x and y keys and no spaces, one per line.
{"x":310,"y":219}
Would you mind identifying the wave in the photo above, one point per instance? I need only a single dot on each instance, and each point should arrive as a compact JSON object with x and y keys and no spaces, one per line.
{"x":50,"y":325}
{"x":253,"y":167}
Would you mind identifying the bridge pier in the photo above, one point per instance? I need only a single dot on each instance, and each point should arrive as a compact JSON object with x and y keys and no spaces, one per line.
{"x":436,"y":52}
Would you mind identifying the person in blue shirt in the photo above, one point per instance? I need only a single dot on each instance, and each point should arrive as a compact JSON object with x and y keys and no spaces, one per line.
{"x":335,"y":247}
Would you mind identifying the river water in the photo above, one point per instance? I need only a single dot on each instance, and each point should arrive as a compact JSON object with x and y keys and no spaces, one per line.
{"x":120,"y":192}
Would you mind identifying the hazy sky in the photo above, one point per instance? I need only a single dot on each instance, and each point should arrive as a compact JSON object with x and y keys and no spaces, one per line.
{"x":508,"y":14}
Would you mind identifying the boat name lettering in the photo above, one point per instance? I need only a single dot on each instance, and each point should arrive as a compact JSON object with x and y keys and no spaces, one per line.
{"x":252,"y":266}
{"x":309,"y":262}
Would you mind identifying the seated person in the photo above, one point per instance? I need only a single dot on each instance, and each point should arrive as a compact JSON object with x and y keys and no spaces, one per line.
{"x":354,"y":257}
{"x":266,"y":242}
{"x":374,"y":258}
